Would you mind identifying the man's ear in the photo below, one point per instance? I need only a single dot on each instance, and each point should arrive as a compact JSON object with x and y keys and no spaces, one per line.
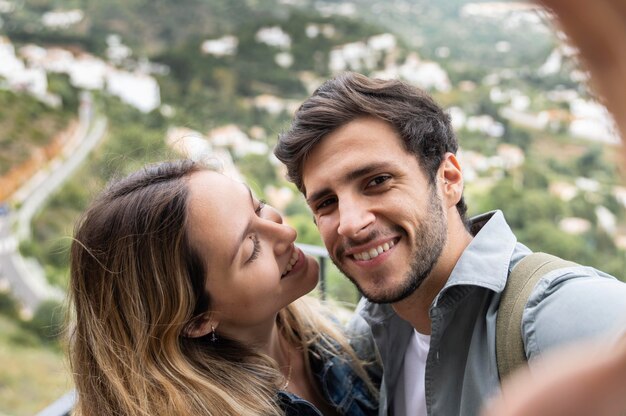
{"x":201,"y":325}
{"x":451,"y":168}
{"x":452,"y":177}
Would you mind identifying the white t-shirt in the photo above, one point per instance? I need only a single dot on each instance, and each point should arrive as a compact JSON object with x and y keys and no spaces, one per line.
{"x":410,"y":396}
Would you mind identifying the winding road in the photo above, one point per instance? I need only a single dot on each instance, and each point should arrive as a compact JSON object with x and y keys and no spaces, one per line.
{"x":25,"y":277}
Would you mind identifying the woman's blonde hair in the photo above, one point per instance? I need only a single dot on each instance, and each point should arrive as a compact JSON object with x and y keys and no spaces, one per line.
{"x":135,"y":284}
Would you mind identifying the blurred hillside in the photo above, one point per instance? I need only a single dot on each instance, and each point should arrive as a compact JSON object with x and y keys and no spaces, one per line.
{"x":214,"y":78}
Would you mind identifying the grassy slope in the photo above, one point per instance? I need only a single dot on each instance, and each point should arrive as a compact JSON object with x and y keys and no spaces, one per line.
{"x":31,"y":376}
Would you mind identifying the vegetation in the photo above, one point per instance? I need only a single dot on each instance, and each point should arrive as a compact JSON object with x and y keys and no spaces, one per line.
{"x":205,"y":92}
{"x":25,"y":125}
{"x":31,"y":356}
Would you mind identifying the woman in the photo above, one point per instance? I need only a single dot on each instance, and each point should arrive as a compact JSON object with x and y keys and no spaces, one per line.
{"x":182,"y":286}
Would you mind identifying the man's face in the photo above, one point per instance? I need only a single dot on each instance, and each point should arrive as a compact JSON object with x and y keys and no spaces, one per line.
{"x":381,"y":220}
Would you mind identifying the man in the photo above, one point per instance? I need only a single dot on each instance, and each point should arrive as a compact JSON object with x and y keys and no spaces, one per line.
{"x":588,"y":379}
{"x":376,"y":162}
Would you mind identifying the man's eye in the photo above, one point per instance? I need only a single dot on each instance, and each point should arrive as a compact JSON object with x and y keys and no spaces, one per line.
{"x":378,"y":180}
{"x":325,"y":203}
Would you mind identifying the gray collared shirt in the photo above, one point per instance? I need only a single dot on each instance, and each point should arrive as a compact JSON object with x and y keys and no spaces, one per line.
{"x":461,"y":372}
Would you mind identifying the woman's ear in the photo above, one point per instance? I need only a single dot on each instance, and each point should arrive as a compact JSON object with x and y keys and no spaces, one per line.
{"x":200,"y":326}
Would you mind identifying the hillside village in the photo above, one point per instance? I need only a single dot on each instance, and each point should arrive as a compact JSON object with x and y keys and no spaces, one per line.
{"x":218,"y":83}
{"x":133,"y":80}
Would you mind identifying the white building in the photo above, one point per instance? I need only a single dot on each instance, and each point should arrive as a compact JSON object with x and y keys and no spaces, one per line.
{"x":384,"y":42}
{"x":283,"y":59}
{"x":188,"y":143}
{"x":7,"y":6}
{"x":231,"y":136}
{"x":512,"y":15}
{"x":512,"y":156}
{"x":458,"y":117}
{"x":587,"y":185}
{"x":552,"y":65}
{"x":606,"y":220}
{"x":619,"y":192}
{"x":87,"y":72}
{"x":270,"y":103}
{"x":11,"y":64}
{"x":273,"y":36}
{"x":336,"y":9}
{"x":485,"y":124}
{"x":58,"y":60}
{"x":19,"y":77}
{"x":62,"y":19}
{"x":574,"y":225}
{"x":355,"y":56}
{"x":313,"y":30}
{"x":592,"y":121}
{"x":530,"y":120}
{"x":116,"y":51}
{"x":136,"y":89}
{"x":425,"y":74}
{"x":563,"y":190}
{"x":193,"y":145}
{"x":224,"y":46}
{"x":362,"y":56}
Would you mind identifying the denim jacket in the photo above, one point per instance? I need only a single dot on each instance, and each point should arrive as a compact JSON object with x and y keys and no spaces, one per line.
{"x":342,"y":388}
{"x":566,"y":305}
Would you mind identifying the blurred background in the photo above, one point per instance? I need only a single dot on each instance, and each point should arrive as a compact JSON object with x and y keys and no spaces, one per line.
{"x":91,"y":89}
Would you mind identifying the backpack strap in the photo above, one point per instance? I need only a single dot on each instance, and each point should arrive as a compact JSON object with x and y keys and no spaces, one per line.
{"x":510,"y":352}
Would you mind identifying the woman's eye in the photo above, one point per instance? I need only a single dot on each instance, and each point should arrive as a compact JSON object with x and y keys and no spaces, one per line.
{"x":255,"y":250}
{"x":260,"y":207}
{"x":378,"y":180}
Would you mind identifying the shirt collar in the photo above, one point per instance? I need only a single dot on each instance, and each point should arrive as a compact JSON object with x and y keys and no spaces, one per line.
{"x":485,"y":262}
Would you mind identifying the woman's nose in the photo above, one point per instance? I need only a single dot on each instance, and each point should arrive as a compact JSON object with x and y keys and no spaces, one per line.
{"x":273,"y":215}
{"x":283,"y":235}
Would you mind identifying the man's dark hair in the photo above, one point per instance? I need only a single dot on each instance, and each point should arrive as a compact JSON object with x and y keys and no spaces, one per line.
{"x":424,"y":127}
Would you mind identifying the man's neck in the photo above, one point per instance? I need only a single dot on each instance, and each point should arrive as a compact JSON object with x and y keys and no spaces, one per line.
{"x":415,"y":308}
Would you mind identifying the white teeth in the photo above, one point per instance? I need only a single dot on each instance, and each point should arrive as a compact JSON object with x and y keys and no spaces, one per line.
{"x":373,"y":252}
{"x":292,"y":261}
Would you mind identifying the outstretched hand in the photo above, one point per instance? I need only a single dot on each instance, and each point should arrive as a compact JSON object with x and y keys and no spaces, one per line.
{"x":587,"y":380}
{"x":580,"y":381}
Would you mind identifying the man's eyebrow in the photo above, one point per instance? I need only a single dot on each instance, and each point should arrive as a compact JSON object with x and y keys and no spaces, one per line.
{"x":244,"y":234}
{"x":318,"y":195}
{"x":349,"y":177}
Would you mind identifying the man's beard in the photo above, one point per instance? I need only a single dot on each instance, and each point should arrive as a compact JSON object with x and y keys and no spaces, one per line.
{"x":430,"y":238}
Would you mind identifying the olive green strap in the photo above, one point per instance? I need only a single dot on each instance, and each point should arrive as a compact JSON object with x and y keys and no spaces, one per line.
{"x":510,"y":352}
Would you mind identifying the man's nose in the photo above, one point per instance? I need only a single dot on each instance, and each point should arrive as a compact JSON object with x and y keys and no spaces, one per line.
{"x":354,"y":217}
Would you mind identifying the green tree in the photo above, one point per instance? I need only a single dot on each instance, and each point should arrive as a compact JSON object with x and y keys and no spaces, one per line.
{"x":8,"y":305}
{"x":48,"y":321}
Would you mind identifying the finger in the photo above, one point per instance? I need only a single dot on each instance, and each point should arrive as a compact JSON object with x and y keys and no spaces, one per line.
{"x":596,"y":28}
{"x":618,"y":6}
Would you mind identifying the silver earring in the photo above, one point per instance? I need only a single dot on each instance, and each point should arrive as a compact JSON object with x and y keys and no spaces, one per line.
{"x":213,"y":334}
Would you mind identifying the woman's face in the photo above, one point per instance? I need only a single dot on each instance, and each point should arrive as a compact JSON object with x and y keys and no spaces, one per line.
{"x":253,"y":267}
